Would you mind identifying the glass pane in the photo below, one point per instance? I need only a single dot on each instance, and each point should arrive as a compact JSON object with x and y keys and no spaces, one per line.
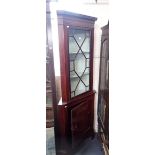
{"x":86,"y":71}
{"x":73,"y":46}
{"x":71,"y":65}
{"x":87,"y":62}
{"x":74,"y":83}
{"x":79,"y":54}
{"x":85,"y":77}
{"x":79,"y":63}
{"x":87,"y":55}
{"x":87,"y":88}
{"x":79,"y":36}
{"x":80,"y":88}
{"x":72,"y":94}
{"x":73,"y":74}
{"x":86,"y":45}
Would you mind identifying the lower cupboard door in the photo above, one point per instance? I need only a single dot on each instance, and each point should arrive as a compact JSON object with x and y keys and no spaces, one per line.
{"x":80,"y":122}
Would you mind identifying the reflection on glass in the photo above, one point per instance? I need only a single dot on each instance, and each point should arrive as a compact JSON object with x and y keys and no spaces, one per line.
{"x":79,"y":55}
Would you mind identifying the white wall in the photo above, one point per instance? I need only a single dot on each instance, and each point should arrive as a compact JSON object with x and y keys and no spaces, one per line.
{"x":97,"y":10}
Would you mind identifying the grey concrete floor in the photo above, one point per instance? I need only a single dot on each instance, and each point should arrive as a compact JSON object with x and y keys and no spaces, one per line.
{"x":50,"y":141}
{"x":88,"y":147}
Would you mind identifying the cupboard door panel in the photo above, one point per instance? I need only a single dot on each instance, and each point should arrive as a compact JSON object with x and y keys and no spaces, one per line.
{"x":80,"y":122}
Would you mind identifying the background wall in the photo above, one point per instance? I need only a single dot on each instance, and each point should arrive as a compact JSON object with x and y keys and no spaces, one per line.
{"x":100,"y":11}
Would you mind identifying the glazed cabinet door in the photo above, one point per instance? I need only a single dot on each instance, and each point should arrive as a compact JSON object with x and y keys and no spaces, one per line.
{"x":79,"y":60}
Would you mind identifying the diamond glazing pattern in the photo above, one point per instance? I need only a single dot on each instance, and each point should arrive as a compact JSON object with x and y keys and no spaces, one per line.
{"x":79,"y":54}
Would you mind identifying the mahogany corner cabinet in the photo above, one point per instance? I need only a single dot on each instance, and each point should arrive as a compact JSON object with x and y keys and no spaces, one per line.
{"x":75,"y":110}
